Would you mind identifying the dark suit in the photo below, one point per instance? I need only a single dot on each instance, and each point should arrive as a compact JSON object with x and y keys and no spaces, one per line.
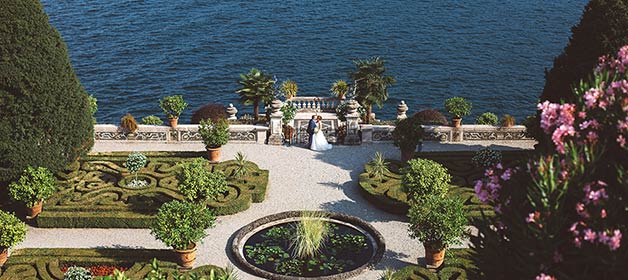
{"x":310,"y":131}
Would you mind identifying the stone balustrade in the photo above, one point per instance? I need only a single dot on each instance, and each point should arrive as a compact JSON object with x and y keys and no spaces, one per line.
{"x":383,"y":133}
{"x":315,"y":104}
{"x":254,"y":134}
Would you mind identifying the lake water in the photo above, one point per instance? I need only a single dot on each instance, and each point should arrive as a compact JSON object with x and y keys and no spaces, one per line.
{"x":131,"y":53}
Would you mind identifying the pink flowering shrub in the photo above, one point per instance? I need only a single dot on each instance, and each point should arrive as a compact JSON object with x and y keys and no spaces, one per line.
{"x":564,"y":213}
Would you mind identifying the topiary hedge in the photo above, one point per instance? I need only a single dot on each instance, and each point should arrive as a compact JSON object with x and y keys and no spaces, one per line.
{"x":93,"y":192}
{"x":45,"y":113}
{"x":457,"y":266}
{"x":46,"y":263}
{"x":387,"y":192}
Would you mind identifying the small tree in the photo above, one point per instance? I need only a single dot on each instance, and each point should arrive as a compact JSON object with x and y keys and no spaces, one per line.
{"x":173,"y":106}
{"x":134,"y":162}
{"x":257,"y":87}
{"x":371,"y":85}
{"x":423,"y":177}
{"x":12,"y":230}
{"x":198,"y":183}
{"x":178,"y":224}
{"x":34,"y":185}
{"x":339,"y":89}
{"x":289,"y":88}
{"x":438,"y":221}
{"x":214,"y":134}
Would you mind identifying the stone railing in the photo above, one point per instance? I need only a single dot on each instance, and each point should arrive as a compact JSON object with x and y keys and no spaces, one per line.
{"x":182,"y":133}
{"x":383,"y":133}
{"x":315,"y":104}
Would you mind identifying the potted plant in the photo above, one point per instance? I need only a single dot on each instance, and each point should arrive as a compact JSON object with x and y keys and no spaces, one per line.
{"x":152,"y":120}
{"x":129,"y":124}
{"x":12,"y":232}
{"x":214,"y":136}
{"x":424,"y":177}
{"x":407,"y":135}
{"x":134,"y":162}
{"x":173,"y":106}
{"x":458,"y":107}
{"x":339,"y":89}
{"x":508,"y":120}
{"x":180,"y":225}
{"x":35,"y":185}
{"x":437,"y":222}
{"x":198,"y":183}
{"x":289,"y":88}
{"x":487,"y":118}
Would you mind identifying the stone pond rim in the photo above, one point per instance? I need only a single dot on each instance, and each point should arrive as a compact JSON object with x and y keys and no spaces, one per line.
{"x":238,"y":242}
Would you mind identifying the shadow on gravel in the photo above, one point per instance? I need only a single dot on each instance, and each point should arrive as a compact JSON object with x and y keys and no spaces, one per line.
{"x":393,"y":260}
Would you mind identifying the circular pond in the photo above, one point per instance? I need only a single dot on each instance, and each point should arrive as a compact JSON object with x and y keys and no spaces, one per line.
{"x":269,"y":247}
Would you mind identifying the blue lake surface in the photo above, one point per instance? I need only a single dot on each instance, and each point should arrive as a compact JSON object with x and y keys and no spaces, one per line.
{"x":131,"y":53}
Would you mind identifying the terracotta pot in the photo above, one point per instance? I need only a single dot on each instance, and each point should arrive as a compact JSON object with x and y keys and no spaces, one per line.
{"x":173,"y":122}
{"x":186,"y":258}
{"x":433,"y":257}
{"x":32,"y":212}
{"x":4,"y":255}
{"x":213,"y":154}
{"x":407,"y":154}
{"x":456,"y":122}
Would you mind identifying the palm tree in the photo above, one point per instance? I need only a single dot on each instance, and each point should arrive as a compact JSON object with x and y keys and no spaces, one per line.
{"x":257,"y":86}
{"x":371,"y":85}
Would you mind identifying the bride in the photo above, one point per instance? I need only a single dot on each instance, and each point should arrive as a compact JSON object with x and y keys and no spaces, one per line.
{"x":319,"y":142}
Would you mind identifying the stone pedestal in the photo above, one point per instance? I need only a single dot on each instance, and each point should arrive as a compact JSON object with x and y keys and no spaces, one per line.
{"x":367,"y":133}
{"x":353,"y":117}
{"x":275,"y":123}
{"x":402,"y":108}
{"x":456,"y":134}
{"x":231,"y":112}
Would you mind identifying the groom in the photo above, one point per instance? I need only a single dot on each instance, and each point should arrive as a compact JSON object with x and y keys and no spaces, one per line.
{"x":310,"y":130}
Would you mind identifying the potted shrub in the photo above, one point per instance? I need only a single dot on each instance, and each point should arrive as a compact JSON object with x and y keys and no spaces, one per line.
{"x":407,"y":135}
{"x":198,"y":183}
{"x":35,"y":185}
{"x":134,"y":162}
{"x":424,"y":177}
{"x":129,"y":124}
{"x":152,"y":120}
{"x":458,"y":107}
{"x":173,"y":106}
{"x":437,"y":222}
{"x":214,"y":136}
{"x":487,"y":118}
{"x":340,"y":89}
{"x":12,"y":232}
{"x":289,"y":88}
{"x":508,"y":120}
{"x":180,"y":225}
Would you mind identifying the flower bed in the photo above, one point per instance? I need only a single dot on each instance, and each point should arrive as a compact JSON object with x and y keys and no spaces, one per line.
{"x":98,"y":269}
{"x":93,"y":193}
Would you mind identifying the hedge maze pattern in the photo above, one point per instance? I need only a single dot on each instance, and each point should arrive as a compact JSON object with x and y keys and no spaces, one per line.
{"x":45,"y":264}
{"x":94,"y":193}
{"x":387,"y":193}
{"x":457,"y":266}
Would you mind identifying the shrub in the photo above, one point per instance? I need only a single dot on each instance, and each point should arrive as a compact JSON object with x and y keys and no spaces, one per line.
{"x":407,"y":134}
{"x":458,"y":107}
{"x":341,"y":111}
{"x":173,"y":106}
{"x":198,"y":183}
{"x":12,"y":230}
{"x":178,"y":224}
{"x":35,"y":184}
{"x":438,"y":221}
{"x":486,"y":157}
{"x":129,"y":123}
{"x":430,"y":117}
{"x":213,"y":112}
{"x":508,"y":120}
{"x":214,"y":134}
{"x":378,"y":165}
{"x":152,"y":120}
{"x":289,"y":88}
{"x":339,"y":88}
{"x":487,"y":118}
{"x":289,"y":112}
{"x":134,"y":162}
{"x":423,"y":177}
{"x":241,"y":165}
{"x":77,"y":273}
{"x":45,"y":113}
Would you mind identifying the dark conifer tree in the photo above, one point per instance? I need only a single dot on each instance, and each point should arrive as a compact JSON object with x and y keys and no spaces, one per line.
{"x":45,"y":117}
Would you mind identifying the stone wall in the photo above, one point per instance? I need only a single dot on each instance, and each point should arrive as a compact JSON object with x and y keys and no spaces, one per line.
{"x":253,"y":134}
{"x":383,"y":133}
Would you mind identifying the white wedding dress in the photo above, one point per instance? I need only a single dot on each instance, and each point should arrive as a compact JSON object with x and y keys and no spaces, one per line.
{"x":319,"y":142}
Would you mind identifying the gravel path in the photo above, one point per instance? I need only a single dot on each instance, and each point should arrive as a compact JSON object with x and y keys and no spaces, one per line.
{"x":300,"y":179}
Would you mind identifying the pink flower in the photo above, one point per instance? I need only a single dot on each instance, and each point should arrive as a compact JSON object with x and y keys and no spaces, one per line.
{"x":543,"y":276}
{"x":507,"y":174}
{"x":590,"y":235}
{"x":591,"y":97}
{"x":615,"y":241}
{"x":592,"y":137}
{"x":603,"y":213}
{"x":573,"y":228}
{"x":530,"y":218}
{"x":577,"y":242}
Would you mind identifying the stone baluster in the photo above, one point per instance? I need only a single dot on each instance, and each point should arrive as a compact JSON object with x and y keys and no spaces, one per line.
{"x":231,"y":112}
{"x":402,"y":108}
{"x":275,"y":123}
{"x":352,"y":117}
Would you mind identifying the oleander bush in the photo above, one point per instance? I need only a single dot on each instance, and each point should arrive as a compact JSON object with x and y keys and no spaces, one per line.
{"x":487,"y":118}
{"x":198,"y":183}
{"x":178,"y":224}
{"x":423,"y":177}
{"x":430,"y":117}
{"x":12,"y":230}
{"x":152,"y":120}
{"x":211,"y":111}
{"x":45,"y":113}
{"x":34,"y":185}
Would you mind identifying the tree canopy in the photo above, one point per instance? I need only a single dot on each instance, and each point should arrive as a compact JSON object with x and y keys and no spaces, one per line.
{"x":257,"y":87}
{"x":371,"y":85}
